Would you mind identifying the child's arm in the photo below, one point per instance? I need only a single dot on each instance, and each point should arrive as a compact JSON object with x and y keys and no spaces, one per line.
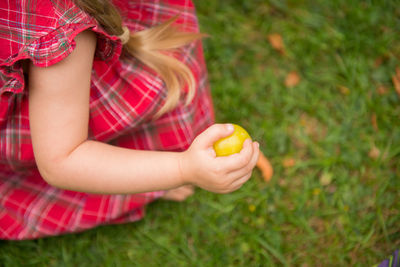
{"x":59,"y":114}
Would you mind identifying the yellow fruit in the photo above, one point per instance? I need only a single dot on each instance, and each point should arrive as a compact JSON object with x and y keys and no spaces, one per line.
{"x":231,"y":144}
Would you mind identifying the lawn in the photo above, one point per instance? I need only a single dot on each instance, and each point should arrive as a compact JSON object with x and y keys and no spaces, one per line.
{"x":332,"y":135}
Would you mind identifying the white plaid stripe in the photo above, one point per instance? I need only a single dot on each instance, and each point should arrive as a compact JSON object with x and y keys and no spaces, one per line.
{"x":124,"y":97}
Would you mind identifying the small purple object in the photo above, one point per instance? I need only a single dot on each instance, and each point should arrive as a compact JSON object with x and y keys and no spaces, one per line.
{"x":392,"y":261}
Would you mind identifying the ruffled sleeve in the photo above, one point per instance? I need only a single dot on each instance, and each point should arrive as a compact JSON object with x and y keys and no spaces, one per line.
{"x":44,"y":33}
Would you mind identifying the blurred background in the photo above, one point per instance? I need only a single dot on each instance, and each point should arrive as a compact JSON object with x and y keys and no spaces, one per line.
{"x":317,"y":83}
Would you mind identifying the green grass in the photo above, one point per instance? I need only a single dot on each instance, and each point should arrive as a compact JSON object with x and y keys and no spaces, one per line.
{"x":336,"y":206}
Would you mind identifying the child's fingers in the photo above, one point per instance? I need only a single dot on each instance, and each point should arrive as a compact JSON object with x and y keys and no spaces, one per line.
{"x":250,"y":165}
{"x":212,"y":134}
{"x":239,"y":182}
{"x":239,"y":160}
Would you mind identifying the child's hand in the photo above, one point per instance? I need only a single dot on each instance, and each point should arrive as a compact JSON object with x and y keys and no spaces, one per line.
{"x":200,"y":165}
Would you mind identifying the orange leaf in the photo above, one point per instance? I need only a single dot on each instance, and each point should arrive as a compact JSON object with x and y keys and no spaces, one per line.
{"x":288,"y":162}
{"x":396,"y":83}
{"x":396,"y":80}
{"x":265,"y":167}
{"x":382,"y":90}
{"x":378,"y":61}
{"x":276,"y":42}
{"x":344,"y":90}
{"x":374,"y":122}
{"x":292,"y":79}
{"x":374,"y":153}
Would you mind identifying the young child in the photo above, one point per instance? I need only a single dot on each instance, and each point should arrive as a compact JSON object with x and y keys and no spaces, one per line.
{"x":104,"y":107}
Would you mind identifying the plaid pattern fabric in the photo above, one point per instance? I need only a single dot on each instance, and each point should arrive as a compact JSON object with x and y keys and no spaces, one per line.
{"x":125,"y":95}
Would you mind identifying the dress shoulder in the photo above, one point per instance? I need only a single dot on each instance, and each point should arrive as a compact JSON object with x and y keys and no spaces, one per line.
{"x":43,"y":32}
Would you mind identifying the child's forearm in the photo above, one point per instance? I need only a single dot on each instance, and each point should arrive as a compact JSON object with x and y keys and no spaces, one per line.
{"x":59,"y":97}
{"x":97,"y":167}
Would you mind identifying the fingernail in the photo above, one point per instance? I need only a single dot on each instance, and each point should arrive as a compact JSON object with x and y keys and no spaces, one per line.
{"x":229,"y":127}
{"x":257,"y":144}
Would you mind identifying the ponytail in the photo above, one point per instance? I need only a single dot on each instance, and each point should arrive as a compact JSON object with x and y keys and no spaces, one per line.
{"x":149,"y":46}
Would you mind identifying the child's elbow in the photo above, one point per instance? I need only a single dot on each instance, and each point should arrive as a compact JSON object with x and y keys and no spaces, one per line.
{"x":51,"y":172}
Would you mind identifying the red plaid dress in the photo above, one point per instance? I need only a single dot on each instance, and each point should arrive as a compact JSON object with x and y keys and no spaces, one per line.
{"x":125,"y":95}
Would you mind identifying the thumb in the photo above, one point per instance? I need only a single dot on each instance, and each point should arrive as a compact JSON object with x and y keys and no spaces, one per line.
{"x":213,"y":133}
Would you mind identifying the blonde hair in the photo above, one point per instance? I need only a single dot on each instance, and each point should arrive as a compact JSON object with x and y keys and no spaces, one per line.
{"x":150,"y":47}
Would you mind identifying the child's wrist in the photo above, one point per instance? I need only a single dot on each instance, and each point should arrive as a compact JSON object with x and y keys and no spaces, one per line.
{"x":184,"y":177}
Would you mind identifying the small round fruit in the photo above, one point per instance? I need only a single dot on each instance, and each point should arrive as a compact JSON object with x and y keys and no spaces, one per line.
{"x":231,"y":144}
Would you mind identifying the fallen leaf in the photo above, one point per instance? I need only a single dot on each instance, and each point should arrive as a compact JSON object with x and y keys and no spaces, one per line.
{"x":374,"y":153}
{"x":396,"y":81}
{"x":381,"y":60}
{"x":288,"y":162}
{"x":344,"y":90}
{"x":303,"y":120}
{"x":276,"y":42}
{"x":374,"y":122}
{"x":282,"y":182}
{"x":317,"y":224}
{"x":382,"y":90}
{"x":331,"y":189}
{"x":252,"y":208}
{"x":316,"y":191}
{"x":326,"y":178}
{"x":378,"y":61}
{"x":292,"y":79}
{"x":265,"y":167}
{"x":385,"y":28}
